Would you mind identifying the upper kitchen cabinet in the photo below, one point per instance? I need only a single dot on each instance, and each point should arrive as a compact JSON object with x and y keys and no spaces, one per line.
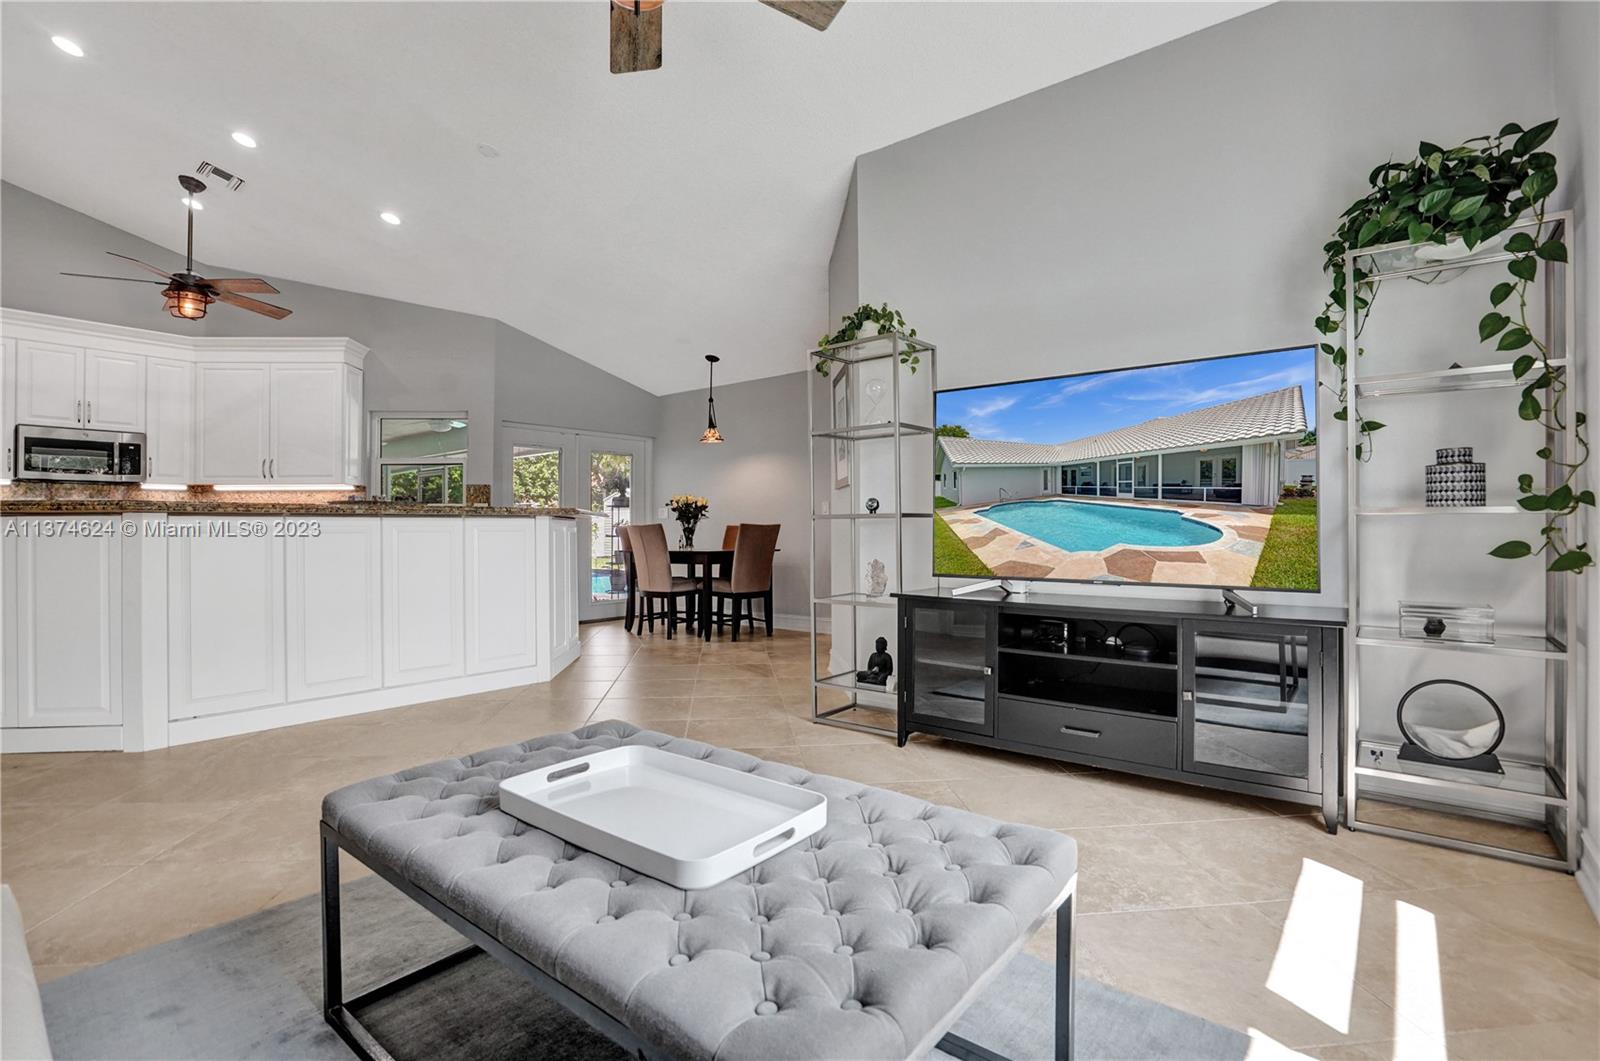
{"x":280,"y":411}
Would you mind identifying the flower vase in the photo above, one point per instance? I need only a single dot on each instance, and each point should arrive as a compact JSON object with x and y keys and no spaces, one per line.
{"x":688,"y":535}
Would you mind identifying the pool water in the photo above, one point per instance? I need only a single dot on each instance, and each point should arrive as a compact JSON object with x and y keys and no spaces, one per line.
{"x":1081,"y":526}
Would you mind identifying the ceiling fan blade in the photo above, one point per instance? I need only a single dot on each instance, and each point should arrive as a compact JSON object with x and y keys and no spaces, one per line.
{"x":142,"y":265}
{"x":242,"y":285}
{"x":635,"y":39}
{"x":266,"y":309}
{"x":818,"y":14}
{"x":124,"y":279}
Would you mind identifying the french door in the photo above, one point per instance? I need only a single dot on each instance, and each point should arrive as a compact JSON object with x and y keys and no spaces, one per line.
{"x":606,"y":476}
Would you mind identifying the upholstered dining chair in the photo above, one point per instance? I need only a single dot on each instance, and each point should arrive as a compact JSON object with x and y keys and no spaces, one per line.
{"x":652,"y":566}
{"x":751,"y":576}
{"x":730,"y":535}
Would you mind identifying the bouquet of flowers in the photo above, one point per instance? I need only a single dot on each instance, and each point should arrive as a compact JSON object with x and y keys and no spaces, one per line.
{"x":687,"y":509}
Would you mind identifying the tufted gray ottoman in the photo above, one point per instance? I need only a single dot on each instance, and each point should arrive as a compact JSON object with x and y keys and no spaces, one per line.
{"x":866,"y":941}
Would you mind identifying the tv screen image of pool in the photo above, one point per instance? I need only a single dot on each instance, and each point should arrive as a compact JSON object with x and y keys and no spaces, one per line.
{"x":1196,"y":473}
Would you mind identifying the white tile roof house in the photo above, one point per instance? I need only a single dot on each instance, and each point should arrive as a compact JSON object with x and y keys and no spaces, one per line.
{"x":1230,"y":453}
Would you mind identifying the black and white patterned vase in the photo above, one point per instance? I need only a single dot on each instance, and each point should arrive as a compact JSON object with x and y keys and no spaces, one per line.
{"x":1455,"y":481}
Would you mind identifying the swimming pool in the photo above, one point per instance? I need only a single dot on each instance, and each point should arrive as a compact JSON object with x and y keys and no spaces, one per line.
{"x":1084,"y":526}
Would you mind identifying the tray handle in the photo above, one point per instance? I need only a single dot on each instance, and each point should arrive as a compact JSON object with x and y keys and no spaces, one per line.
{"x":564,"y":772}
{"x":772,"y":842}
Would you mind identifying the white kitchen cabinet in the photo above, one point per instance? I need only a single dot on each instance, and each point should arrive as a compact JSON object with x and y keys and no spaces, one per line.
{"x":307,"y":424}
{"x":113,"y":391}
{"x":49,"y":387}
{"x":355,"y":429}
{"x":233,"y":438}
{"x":334,"y":608}
{"x":8,"y":406}
{"x":169,"y":421}
{"x":66,"y":601}
{"x":502,"y":594}
{"x":565,"y":549}
{"x":423,"y":638}
{"x":225,"y":599}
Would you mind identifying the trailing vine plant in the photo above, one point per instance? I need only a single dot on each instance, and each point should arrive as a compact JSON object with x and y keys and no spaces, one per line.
{"x":1473,"y":193}
{"x":887,"y":320}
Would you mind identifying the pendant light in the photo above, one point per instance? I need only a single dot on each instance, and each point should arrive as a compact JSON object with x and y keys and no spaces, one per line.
{"x":712,"y":435}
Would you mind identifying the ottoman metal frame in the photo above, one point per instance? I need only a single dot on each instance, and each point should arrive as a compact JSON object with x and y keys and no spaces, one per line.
{"x":339,"y":1011}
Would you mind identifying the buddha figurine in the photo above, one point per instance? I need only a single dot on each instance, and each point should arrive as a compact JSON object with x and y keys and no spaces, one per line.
{"x":879,"y":665}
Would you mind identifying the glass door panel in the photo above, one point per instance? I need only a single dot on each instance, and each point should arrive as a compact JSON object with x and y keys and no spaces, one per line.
{"x":1251,"y":709}
{"x":611,"y":501}
{"x":536,"y":475}
{"x":1125,"y":478}
{"x":950,"y":673}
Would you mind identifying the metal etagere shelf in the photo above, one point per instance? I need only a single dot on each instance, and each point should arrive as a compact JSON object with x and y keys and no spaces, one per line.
{"x":870,"y":414}
{"x":1537,"y":790}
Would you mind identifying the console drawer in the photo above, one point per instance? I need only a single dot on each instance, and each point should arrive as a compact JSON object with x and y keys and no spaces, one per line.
{"x":1079,"y":729}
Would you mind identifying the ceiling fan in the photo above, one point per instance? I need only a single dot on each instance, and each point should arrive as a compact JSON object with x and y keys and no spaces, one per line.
{"x":188,"y":293}
{"x":636,"y":28}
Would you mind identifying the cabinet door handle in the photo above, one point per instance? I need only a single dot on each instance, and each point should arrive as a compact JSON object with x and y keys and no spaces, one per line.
{"x":90,"y":407}
{"x":272,"y":468}
{"x":1074,"y":731}
{"x":263,"y":467}
{"x":149,"y":466}
{"x":77,"y":411}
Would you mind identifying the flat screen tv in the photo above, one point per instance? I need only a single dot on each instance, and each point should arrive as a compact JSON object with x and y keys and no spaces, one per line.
{"x":1193,"y":473}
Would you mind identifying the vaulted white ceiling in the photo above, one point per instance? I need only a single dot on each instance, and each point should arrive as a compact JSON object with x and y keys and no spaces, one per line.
{"x":637,"y":221}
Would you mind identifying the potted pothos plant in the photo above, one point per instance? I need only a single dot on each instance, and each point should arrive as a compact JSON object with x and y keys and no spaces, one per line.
{"x":1468,"y":195}
{"x":870,"y":320}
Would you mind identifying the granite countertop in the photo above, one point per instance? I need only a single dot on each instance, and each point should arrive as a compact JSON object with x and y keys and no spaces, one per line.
{"x":114,"y":506}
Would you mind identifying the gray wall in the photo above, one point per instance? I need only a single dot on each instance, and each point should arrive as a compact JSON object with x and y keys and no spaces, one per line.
{"x":757,"y":476}
{"x":422,"y":359}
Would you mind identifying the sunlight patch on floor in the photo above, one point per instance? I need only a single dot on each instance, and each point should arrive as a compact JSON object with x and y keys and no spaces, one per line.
{"x":1315,"y":964}
{"x":1264,"y":1047}
{"x":1418,"y":990}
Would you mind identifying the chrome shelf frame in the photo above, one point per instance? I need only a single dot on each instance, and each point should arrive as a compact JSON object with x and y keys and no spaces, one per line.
{"x":1439,"y":790}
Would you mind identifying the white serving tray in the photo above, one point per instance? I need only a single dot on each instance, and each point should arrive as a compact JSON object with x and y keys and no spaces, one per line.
{"x":684,"y":821}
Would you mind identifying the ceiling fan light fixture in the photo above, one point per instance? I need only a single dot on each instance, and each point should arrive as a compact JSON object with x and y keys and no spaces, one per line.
{"x":192,"y":203}
{"x":637,"y":6}
{"x":389,"y":217}
{"x":186,"y":303}
{"x":243,"y":139}
{"x":68,"y":45}
{"x":711,"y":436}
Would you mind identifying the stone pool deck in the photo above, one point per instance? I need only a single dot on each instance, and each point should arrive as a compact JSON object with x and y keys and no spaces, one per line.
{"x":1230,"y":560}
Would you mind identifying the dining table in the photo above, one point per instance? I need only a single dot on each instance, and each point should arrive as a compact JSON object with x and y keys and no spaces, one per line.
{"x":694,"y":559}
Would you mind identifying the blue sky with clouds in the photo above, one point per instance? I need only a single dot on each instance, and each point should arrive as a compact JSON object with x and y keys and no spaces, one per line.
{"x":1061,"y":410}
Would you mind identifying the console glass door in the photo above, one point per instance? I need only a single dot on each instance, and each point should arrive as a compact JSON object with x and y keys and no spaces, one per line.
{"x":951,"y":669}
{"x":1252,"y":704}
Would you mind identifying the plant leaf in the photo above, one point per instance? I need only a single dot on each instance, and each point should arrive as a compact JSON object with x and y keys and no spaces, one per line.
{"x":1522,"y":364}
{"x":1369,"y":426}
{"x":1525,"y":268}
{"x":1528,"y":408}
{"x":1521,"y":243}
{"x":1514,"y":339}
{"x":1510,"y":129}
{"x":1530,"y":140}
{"x":1372,"y":227}
{"x":1575,"y":560}
{"x":1560,"y":497}
{"x":1525,"y":483}
{"x":1586,"y":498}
{"x":1492,"y":324}
{"x":1501,"y":292}
{"x":1465,"y":208}
{"x":1534,"y":502}
{"x":1543,"y":453}
{"x":1434,"y":201}
{"x":1552,"y":250}
{"x":1512,"y":550}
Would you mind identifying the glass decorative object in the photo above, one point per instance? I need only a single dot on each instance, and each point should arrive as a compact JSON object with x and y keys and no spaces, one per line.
{"x":1471,"y":623}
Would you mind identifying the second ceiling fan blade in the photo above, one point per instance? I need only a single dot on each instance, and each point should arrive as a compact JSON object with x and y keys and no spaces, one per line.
{"x":635,"y":36}
{"x":244,"y":285}
{"x":818,"y":14}
{"x":266,"y":309}
{"x":124,"y":279}
{"x":142,"y":265}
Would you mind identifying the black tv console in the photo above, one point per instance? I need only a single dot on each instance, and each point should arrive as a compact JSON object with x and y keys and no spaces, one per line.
{"x":1184,"y":690}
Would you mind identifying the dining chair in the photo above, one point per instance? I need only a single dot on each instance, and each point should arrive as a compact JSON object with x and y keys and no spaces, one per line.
{"x":751,"y":576}
{"x":730,"y":535}
{"x":652,"y":565}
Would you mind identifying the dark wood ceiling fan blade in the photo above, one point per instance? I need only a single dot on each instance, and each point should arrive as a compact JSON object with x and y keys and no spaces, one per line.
{"x":266,"y":309}
{"x":142,"y":265}
{"x":251,"y":285}
{"x":635,"y":38}
{"x":818,"y":14}
{"x":124,"y":279}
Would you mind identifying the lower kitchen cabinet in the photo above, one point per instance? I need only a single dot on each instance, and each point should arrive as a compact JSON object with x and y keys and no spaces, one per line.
{"x":334,"y":608}
{"x":225,"y":595}
{"x":502,"y":594}
{"x":64,"y":622}
{"x":423,"y":628}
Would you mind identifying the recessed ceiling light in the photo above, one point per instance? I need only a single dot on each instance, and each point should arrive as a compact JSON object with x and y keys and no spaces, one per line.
{"x":193,"y":204}
{"x":390,"y":217}
{"x":68,"y":45}
{"x":243,"y":139}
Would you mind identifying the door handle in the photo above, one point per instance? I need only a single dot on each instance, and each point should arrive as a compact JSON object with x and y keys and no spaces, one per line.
{"x":77,"y":411}
{"x":90,"y":407}
{"x":149,"y":466}
{"x":1074,"y":731}
{"x":1188,"y":696}
{"x":263,"y":467}
{"x":272,"y":468}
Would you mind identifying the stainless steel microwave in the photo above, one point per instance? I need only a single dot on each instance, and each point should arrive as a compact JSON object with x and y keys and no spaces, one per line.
{"x":67,"y":454}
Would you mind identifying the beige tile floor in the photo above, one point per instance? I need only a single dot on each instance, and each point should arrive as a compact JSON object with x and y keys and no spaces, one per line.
{"x":1241,"y":911}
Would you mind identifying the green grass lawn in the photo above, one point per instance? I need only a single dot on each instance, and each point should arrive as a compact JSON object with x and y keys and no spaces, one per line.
{"x":950,"y":554}
{"x":1289,"y":555}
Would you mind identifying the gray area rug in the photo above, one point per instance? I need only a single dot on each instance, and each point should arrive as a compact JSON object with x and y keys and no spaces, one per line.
{"x":252,"y":989}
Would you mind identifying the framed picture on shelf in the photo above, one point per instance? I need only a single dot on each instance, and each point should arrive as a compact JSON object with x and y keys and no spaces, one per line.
{"x":841,"y":418}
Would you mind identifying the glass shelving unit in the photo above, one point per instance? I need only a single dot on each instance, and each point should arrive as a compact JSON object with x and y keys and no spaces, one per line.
{"x":1527,"y":813}
{"x":871,"y":413}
